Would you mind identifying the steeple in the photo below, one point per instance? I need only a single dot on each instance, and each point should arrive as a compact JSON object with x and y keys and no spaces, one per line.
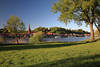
{"x":29,"y":30}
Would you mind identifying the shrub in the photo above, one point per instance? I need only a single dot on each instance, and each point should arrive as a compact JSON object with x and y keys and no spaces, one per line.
{"x":36,"y":38}
{"x":1,"y":40}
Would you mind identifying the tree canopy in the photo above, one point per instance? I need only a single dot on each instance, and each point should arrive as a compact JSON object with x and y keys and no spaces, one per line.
{"x":59,"y":30}
{"x":77,"y":10}
{"x":15,"y":25}
{"x":42,"y":29}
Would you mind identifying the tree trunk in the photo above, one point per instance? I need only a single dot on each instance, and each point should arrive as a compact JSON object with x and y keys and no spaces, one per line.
{"x":91,"y":31}
{"x":97,"y":27}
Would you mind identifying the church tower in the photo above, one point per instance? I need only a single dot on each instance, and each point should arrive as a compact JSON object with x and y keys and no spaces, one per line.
{"x":29,"y":30}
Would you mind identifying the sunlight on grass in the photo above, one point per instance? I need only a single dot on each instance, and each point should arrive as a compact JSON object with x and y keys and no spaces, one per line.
{"x":50,"y":55}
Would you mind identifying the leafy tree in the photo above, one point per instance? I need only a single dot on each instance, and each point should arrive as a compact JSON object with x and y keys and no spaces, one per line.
{"x":4,"y":30}
{"x":37,"y":38}
{"x":68,"y":31}
{"x":58,"y":30}
{"x":97,"y":13}
{"x":14,"y":24}
{"x":53,"y":29}
{"x":42,"y":29}
{"x":77,"y":10}
{"x":22,"y":27}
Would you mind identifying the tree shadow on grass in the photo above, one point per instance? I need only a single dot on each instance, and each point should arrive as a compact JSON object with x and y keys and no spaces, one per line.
{"x":87,"y":61}
{"x":6,"y":47}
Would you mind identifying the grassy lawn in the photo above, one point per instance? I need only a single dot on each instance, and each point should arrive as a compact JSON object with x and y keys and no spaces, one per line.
{"x":74,"y":54}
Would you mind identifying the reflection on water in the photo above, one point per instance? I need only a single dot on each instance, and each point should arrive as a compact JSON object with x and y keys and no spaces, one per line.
{"x":67,"y":39}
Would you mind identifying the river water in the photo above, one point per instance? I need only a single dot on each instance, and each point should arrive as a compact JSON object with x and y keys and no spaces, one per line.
{"x":67,"y":39}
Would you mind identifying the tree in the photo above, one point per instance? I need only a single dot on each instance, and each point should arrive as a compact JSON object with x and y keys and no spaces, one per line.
{"x":77,"y":10}
{"x":53,"y":29}
{"x":58,"y":30}
{"x":22,"y":27}
{"x":42,"y":29}
{"x":37,"y":38}
{"x":4,"y":30}
{"x":15,"y":25}
{"x":97,"y":13}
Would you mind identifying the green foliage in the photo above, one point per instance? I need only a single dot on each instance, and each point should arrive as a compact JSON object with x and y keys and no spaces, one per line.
{"x":79,"y":31}
{"x":4,"y":30}
{"x":15,"y":25}
{"x":42,"y":29}
{"x":58,"y":30}
{"x":36,"y":38}
{"x":79,"y":10}
{"x":22,"y":27}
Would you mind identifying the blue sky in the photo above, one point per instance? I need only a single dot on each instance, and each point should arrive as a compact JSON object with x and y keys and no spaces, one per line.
{"x":33,"y":12}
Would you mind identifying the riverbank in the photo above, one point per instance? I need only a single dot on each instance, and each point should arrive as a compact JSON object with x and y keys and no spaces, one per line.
{"x":60,"y":39}
{"x":51,"y":54}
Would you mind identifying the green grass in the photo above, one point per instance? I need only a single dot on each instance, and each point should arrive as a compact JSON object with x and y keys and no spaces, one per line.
{"x":51,"y":54}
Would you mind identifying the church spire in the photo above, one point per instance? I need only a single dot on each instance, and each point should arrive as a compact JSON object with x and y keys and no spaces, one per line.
{"x":29,"y":30}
